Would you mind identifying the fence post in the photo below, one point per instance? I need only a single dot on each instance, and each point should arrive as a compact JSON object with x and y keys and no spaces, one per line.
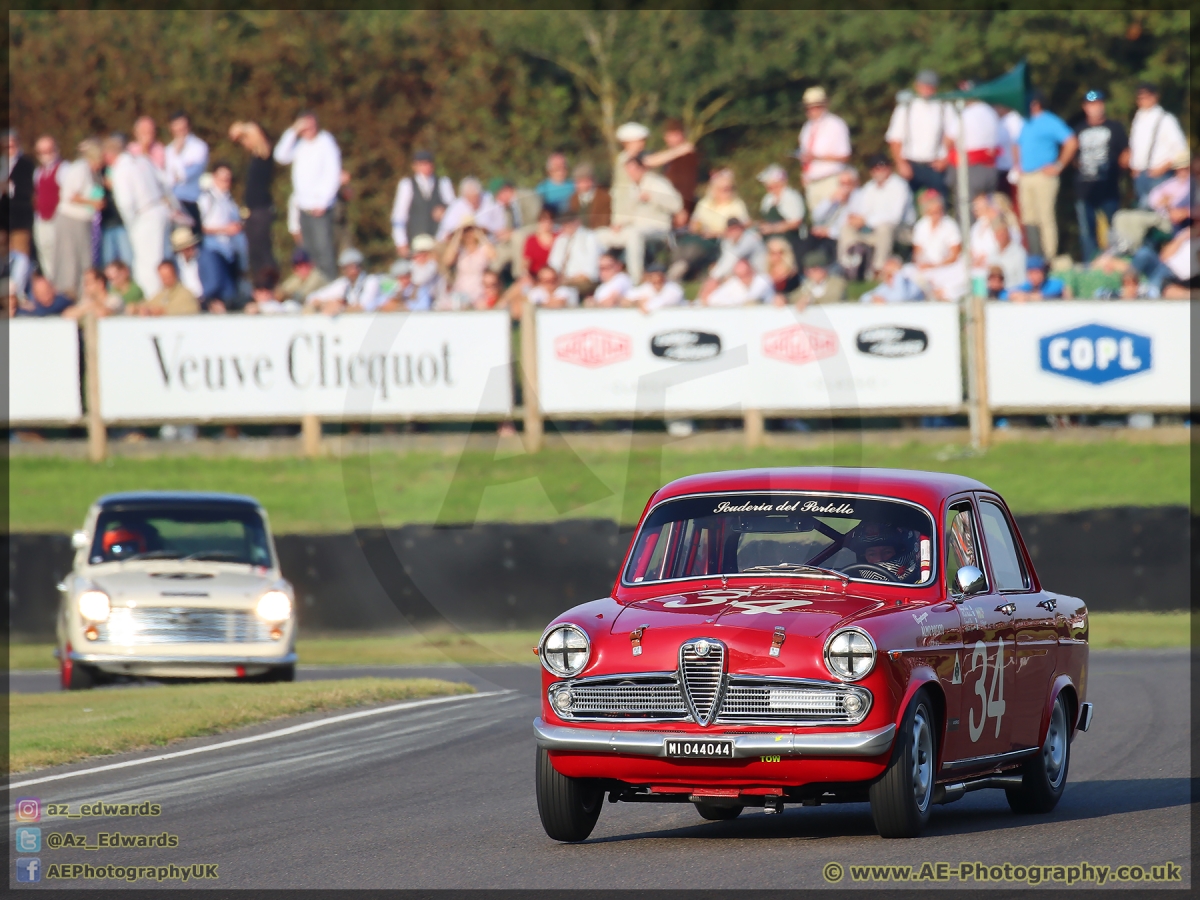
{"x":534,"y":425}
{"x":97,"y":431}
{"x":310,"y":435}
{"x":752,"y":428}
{"x":981,"y":369}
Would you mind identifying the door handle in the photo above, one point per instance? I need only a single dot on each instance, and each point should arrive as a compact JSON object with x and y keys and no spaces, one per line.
{"x":1007,"y":608}
{"x":1048,"y":604}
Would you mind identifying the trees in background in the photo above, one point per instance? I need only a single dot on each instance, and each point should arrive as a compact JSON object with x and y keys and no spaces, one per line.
{"x":492,"y":92}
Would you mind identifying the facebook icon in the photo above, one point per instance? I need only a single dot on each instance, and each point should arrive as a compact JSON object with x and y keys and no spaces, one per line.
{"x":29,"y":870}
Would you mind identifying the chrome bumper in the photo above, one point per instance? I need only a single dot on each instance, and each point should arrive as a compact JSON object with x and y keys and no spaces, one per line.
{"x":284,"y":660}
{"x":651,"y":743}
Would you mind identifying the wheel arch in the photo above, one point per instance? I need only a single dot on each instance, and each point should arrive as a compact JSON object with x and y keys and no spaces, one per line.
{"x":924,"y":678}
{"x":1062,"y":686}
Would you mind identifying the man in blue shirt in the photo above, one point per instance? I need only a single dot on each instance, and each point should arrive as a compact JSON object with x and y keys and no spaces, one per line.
{"x":557,"y":188}
{"x":43,"y":300}
{"x":1036,"y":285}
{"x":1043,"y":150}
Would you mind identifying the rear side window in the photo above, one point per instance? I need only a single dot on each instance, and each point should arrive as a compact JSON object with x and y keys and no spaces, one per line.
{"x":1002,"y":548}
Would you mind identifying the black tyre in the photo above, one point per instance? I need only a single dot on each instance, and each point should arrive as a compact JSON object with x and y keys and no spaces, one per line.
{"x":902,"y":798}
{"x":715,"y":813}
{"x":1044,"y":776}
{"x":279,"y":673}
{"x":569,"y":807}
{"x":76,"y":676}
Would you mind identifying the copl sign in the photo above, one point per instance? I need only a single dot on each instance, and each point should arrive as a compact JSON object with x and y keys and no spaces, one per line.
{"x":1095,"y":353}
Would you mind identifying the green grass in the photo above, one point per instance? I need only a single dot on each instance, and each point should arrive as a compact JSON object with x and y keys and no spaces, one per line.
{"x":330,"y":495}
{"x":55,"y":729}
{"x":1140,"y":630}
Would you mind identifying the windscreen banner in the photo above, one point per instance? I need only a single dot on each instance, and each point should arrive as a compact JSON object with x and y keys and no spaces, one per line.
{"x":281,"y":367}
{"x":43,"y":372}
{"x":828,"y":359}
{"x":1076,"y":355}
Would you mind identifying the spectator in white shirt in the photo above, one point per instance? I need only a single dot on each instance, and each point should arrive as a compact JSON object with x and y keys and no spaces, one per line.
{"x":475,"y":204}
{"x":916,"y":135}
{"x":655,"y":292}
{"x":782,"y":207}
{"x":824,"y":147}
{"x":829,"y":216}
{"x":354,"y":290}
{"x":894,"y":285}
{"x":184,"y":161}
{"x":426,"y":274}
{"x":937,"y":266}
{"x":576,"y":255}
{"x":878,"y":214}
{"x":80,"y":197}
{"x":1007,"y":171}
{"x":141,"y":200}
{"x":223,"y":247}
{"x":614,"y":283}
{"x":316,"y":165}
{"x":981,"y":138}
{"x":992,"y":212}
{"x":644,"y":207}
{"x":743,"y":287}
{"x":1155,"y":142}
{"x":739,"y":243}
{"x":544,"y":289}
{"x":421,"y":201}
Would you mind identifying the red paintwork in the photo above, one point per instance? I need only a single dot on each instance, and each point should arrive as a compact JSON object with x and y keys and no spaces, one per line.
{"x":892,"y":614}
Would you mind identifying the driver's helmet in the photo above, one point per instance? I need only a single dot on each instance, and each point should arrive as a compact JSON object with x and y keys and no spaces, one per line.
{"x":903,"y":563}
{"x":123,"y":541}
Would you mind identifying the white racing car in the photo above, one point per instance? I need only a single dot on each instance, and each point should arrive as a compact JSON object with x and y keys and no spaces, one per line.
{"x":175,"y":585}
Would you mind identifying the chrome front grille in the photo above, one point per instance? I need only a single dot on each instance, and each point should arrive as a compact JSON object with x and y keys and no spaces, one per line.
{"x":703,"y":676}
{"x":177,"y":625}
{"x":657,"y":698}
{"x":773,"y":700}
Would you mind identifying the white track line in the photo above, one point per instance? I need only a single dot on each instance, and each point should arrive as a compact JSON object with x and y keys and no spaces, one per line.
{"x":294,"y":729}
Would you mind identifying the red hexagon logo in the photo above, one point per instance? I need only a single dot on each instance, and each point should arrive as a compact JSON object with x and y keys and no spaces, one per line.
{"x":800,"y":344}
{"x":593,"y":347}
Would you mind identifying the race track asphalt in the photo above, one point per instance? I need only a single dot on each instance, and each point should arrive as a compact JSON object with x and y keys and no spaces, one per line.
{"x":443,"y":797}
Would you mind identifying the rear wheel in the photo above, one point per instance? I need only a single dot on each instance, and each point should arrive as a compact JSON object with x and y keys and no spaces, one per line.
{"x":569,"y":807}
{"x":902,"y":798}
{"x":1044,"y":776}
{"x":715,"y":813}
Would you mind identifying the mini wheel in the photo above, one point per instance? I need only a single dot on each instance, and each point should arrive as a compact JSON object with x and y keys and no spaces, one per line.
{"x":901,"y":800}
{"x":1044,"y":776}
{"x":715,"y":813}
{"x":569,"y":807}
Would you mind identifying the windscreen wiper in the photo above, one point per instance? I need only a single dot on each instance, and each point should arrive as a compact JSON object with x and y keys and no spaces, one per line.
{"x":152,"y":554}
{"x":799,"y":567}
{"x":213,"y":554}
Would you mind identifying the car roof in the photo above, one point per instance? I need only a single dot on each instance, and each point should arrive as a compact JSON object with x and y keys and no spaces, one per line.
{"x":177,"y":497}
{"x":926,"y":488}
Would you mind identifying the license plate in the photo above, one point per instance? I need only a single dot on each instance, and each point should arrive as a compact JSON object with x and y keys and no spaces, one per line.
{"x":689,"y":749}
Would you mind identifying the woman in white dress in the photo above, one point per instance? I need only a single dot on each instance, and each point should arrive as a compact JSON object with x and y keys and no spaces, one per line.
{"x":938,"y":265}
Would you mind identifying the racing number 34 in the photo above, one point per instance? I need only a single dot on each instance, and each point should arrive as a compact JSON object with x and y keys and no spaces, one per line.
{"x":991,"y":700}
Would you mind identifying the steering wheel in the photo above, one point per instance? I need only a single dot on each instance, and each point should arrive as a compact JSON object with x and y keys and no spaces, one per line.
{"x":869,"y":571}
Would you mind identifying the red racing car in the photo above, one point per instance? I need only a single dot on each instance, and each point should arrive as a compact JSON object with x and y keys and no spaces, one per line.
{"x":814,"y":636}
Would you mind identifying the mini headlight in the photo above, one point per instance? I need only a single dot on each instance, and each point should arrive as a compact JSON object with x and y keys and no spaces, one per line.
{"x":274,"y":606}
{"x":94,"y":606}
{"x":565,"y":650}
{"x":849,"y":654}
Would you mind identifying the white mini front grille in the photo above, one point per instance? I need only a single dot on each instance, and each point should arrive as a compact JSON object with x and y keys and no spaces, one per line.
{"x":702,"y":677}
{"x":176,"y":625}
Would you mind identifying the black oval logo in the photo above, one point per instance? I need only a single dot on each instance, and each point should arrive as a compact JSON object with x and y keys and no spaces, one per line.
{"x":685,"y":346}
{"x":892,"y":340}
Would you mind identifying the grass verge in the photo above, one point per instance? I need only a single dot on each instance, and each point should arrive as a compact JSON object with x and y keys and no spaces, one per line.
{"x":331,"y":495}
{"x":55,"y":729}
{"x":1140,"y":630}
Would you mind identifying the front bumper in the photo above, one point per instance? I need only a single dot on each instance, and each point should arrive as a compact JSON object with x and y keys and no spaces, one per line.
{"x":653,"y":743}
{"x":159,"y":659}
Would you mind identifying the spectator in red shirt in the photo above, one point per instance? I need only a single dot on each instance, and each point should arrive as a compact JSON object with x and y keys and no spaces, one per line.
{"x":45,"y":201}
{"x":539,"y":244}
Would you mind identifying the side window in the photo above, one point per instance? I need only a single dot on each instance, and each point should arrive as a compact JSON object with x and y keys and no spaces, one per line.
{"x":961,"y":549}
{"x":1002,"y":549}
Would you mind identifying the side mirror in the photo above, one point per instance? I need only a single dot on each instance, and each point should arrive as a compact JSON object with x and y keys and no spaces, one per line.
{"x":969,"y":580}
{"x":79,"y":540}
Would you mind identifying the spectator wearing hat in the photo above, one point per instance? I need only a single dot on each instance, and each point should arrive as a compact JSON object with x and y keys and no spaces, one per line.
{"x":174,"y":299}
{"x":937,"y":266}
{"x":184,"y":161}
{"x":643,"y":210}
{"x":1044,"y":149}
{"x":981,"y":138}
{"x":353,"y":290}
{"x":421,"y":200}
{"x":895,"y":286}
{"x":260,"y":172}
{"x":396,"y":290}
{"x":556,"y":189}
{"x":632,"y":137}
{"x":140,"y":196}
{"x":824,"y":147}
{"x":592,"y":203}
{"x":782,"y":207}
{"x":1103,"y":153}
{"x":1036,"y":285}
{"x":656,"y":292}
{"x":304,"y":280}
{"x":576,"y":255}
{"x":316,"y":165}
{"x":426,"y":274}
{"x":819,"y":285}
{"x":186,"y":247}
{"x":681,"y":166}
{"x":742,"y":287}
{"x":877,"y":214}
{"x":1155,"y":141}
{"x":916,"y":135}
{"x":739,"y":242}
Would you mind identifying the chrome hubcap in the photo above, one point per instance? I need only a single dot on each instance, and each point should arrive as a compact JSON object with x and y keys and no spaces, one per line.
{"x":1054,"y":751}
{"x":922,"y":759}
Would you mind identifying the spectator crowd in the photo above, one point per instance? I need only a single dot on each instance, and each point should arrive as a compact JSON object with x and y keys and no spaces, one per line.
{"x":135,"y":226}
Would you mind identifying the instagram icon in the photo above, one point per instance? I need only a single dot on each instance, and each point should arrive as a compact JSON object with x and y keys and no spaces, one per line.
{"x":29,"y":809}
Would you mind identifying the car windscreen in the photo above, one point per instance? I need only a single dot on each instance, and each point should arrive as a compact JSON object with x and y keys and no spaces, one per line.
{"x":217,"y":533}
{"x":777,"y":533}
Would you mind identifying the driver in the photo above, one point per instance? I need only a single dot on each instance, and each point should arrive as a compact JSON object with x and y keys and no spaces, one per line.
{"x":123,"y":541}
{"x":887,"y":547}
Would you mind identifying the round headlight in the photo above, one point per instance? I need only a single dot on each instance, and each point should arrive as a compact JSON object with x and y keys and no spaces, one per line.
{"x":94,"y":606}
{"x":849,"y":654}
{"x":852,"y":703}
{"x":565,"y":650}
{"x":274,"y":606}
{"x":563,"y":700}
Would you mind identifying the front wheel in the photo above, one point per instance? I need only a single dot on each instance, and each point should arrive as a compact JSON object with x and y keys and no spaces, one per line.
{"x":902,"y":798}
{"x":715,"y":813}
{"x":1044,"y":776}
{"x":569,"y":807}
{"x":279,"y":673}
{"x":75,"y":676}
